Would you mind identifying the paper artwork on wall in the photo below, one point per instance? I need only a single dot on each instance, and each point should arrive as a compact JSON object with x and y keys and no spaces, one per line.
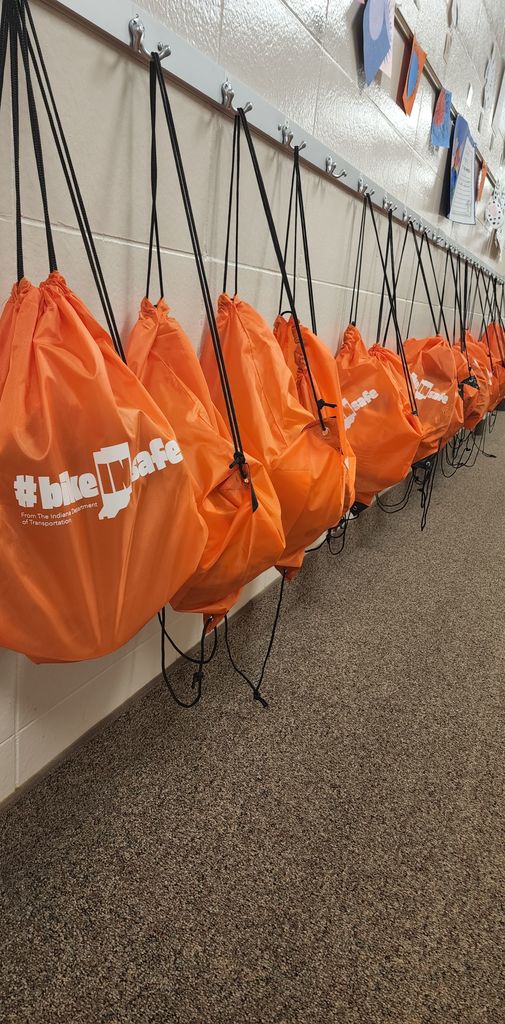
{"x":387,"y":63}
{"x":482,"y":181}
{"x":377,"y":36}
{"x":493,"y":218}
{"x":441,"y":124}
{"x":414,"y":72}
{"x":462,"y":175}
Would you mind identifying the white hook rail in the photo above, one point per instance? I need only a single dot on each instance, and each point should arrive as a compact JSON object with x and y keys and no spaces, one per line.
{"x":125,"y":22}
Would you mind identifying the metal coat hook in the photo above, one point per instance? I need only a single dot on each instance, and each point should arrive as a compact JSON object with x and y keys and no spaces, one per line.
{"x":388,"y":205}
{"x":228,"y":95}
{"x":137,"y":35}
{"x":365,"y":189}
{"x":288,"y":136}
{"x":331,"y":167}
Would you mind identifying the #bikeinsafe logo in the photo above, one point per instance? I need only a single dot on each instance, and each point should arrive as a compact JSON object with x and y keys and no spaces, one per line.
{"x":112,"y":482}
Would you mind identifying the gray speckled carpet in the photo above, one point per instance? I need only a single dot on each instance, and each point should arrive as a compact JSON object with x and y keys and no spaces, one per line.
{"x":337,"y":858}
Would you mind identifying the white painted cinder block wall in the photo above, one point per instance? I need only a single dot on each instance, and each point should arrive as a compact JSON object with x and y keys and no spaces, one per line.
{"x":302,"y":57}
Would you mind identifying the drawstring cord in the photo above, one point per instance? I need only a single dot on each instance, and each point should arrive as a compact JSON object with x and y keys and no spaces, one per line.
{"x":397,"y":506}
{"x":154,"y":234}
{"x":439,"y":294}
{"x":239,"y":459}
{"x":320,"y":403}
{"x":39,"y":66}
{"x":198,"y":676}
{"x":235,"y":159}
{"x":391,"y":290}
{"x":353,"y":316}
{"x":429,"y":468}
{"x":256,"y":687}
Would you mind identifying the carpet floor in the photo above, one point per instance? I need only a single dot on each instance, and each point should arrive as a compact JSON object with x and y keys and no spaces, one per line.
{"x":338,"y":857}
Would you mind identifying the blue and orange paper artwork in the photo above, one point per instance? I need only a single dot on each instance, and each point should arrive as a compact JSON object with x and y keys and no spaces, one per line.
{"x":441,"y":124}
{"x":414,"y":72}
{"x":377,"y":38}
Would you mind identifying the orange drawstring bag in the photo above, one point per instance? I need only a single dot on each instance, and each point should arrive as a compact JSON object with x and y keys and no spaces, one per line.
{"x":486,"y":355}
{"x":474,"y":397}
{"x":97,"y":513}
{"x":495,"y":338}
{"x":432,"y":370}
{"x":234,"y":494}
{"x":242,"y":515}
{"x":325,"y":374}
{"x":303,"y":455}
{"x":481,"y":370}
{"x":381,"y":422}
{"x":323,"y":367}
{"x":474,"y":400}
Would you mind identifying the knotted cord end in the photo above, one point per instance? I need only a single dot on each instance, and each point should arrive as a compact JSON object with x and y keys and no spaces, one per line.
{"x":257,"y":695}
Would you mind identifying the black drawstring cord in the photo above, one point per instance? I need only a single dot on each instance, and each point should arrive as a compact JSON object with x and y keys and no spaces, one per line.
{"x":288,"y":231}
{"x":4,"y":42}
{"x":235,"y":159}
{"x":154,"y":234}
{"x":391,"y":290}
{"x":69,"y":173}
{"x":428,"y":467}
{"x":496,"y":315}
{"x":239,"y":457}
{"x":397,"y":506}
{"x":278,"y":252}
{"x":442,"y":297}
{"x":457,"y":287}
{"x":397,"y":278}
{"x":419,"y":251}
{"x":12,"y":31}
{"x":353,"y":316}
{"x":187,"y":657}
{"x":335,"y":532}
{"x":19,"y":27}
{"x":484,"y":321}
{"x":306,"y":253}
{"x":439,"y":294}
{"x":413,"y":291}
{"x":383,"y":289}
{"x":338,"y":533}
{"x":198,"y":676}
{"x":256,"y":687}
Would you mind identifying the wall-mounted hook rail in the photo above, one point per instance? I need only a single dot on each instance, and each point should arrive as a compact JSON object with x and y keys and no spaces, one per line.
{"x":137,"y":36}
{"x":331,"y":169}
{"x":208,"y":80}
{"x":228,"y":95}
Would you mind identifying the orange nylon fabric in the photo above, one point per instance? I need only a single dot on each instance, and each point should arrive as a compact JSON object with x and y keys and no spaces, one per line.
{"x":496,"y":338}
{"x":241,"y":543}
{"x":381,"y":427}
{"x":97,"y":512}
{"x":479,"y":361}
{"x":324,"y":372}
{"x":494,"y":379}
{"x":433,"y":371}
{"x":474,"y":399}
{"x":276,"y":429}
